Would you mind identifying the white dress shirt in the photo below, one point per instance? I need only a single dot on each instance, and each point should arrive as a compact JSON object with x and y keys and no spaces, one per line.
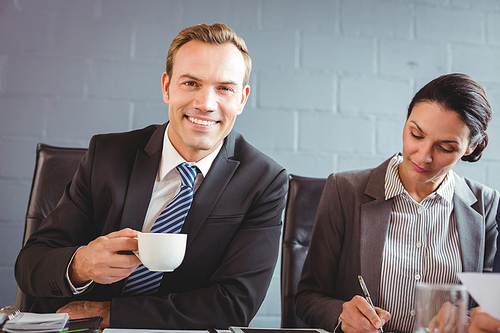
{"x":168,"y":181}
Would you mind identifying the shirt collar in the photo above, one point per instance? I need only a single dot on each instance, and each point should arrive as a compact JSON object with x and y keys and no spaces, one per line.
{"x":170,"y":158}
{"x":394,"y":186}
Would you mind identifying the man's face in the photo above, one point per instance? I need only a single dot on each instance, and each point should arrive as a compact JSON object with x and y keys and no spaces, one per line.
{"x":205,"y":94}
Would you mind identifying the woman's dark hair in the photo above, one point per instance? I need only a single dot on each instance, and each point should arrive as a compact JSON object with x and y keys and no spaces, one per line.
{"x":462,"y":94}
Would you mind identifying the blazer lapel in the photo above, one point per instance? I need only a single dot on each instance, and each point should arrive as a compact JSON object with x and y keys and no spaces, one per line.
{"x":211,"y":188}
{"x":374,"y":219}
{"x":141,"y":182}
{"x":470,"y":226}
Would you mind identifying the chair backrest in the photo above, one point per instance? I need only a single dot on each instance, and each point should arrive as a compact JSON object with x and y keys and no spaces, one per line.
{"x":54,"y":169}
{"x":302,"y":203}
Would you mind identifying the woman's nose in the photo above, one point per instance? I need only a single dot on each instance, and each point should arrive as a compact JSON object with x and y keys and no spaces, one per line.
{"x":425,"y":153}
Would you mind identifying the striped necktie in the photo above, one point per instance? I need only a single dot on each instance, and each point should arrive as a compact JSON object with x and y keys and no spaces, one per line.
{"x":143,"y":281}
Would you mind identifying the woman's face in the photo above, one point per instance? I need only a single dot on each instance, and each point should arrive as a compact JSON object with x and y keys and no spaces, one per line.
{"x":434,"y":139}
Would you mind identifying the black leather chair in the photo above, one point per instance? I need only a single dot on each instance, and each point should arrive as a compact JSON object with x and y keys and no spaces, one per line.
{"x":54,"y":169}
{"x":302,"y":202}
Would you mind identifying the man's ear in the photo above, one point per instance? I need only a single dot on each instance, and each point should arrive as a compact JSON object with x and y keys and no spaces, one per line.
{"x":165,"y":81}
{"x":244,"y":97}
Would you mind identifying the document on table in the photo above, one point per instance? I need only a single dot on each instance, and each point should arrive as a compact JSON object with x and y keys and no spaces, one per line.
{"x":36,"y":322}
{"x":130,"y":330}
{"x":485,"y":289}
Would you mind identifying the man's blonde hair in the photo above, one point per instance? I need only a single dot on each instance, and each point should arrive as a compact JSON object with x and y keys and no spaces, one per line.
{"x":217,"y":33}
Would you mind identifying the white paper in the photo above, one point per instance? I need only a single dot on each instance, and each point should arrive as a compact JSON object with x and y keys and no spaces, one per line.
{"x":131,"y":330}
{"x":485,"y":289}
{"x":37,"y":322}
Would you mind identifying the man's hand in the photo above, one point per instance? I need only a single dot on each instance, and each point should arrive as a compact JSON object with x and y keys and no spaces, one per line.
{"x":84,"y":309}
{"x":483,"y":322}
{"x":100,"y":262}
{"x":359,"y":316}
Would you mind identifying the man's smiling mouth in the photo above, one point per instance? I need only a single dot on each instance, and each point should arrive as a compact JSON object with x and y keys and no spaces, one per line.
{"x":202,"y":122}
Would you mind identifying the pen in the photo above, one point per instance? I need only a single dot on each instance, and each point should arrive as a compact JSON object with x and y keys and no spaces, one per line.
{"x":367,"y":296}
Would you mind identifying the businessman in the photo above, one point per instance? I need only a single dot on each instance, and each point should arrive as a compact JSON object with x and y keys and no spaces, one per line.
{"x":79,"y":260}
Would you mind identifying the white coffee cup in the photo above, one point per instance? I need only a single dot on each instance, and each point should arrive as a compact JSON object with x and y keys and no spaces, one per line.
{"x":440,"y":308}
{"x":161,"y":252}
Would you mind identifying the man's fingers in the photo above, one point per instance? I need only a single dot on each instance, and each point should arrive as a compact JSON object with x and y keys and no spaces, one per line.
{"x":127,"y":232}
{"x":127,"y":261}
{"x":114,"y":245}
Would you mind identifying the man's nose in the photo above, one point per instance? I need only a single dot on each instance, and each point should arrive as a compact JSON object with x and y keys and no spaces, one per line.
{"x":206,"y":100}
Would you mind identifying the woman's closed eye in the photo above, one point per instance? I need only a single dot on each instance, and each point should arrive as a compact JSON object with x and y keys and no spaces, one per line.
{"x":416,"y":136}
{"x":447,"y":150}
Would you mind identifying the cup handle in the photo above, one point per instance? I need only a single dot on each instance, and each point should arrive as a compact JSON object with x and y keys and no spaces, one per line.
{"x":137,"y":252}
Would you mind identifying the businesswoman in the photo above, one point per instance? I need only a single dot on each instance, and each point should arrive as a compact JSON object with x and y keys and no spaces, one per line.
{"x":412,"y":219}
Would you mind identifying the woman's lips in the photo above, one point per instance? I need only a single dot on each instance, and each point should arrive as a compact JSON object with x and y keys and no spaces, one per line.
{"x":419,"y":169}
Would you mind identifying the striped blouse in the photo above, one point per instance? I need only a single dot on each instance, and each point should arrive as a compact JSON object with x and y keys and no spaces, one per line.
{"x":421,"y":245}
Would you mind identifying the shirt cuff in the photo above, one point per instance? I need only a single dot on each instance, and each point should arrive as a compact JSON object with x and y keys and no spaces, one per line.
{"x":76,"y":290}
{"x":337,"y":328}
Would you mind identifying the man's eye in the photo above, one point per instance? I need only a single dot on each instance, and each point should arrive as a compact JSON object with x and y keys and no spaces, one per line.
{"x":190,"y":83}
{"x":229,"y":89}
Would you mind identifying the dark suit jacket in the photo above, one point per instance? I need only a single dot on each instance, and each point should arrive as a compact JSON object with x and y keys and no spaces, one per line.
{"x":348,"y":240}
{"x":233,"y":229}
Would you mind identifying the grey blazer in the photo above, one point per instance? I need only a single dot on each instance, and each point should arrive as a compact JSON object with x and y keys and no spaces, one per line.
{"x":348,"y":239}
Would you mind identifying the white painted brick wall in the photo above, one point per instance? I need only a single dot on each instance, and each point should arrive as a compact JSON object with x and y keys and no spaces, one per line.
{"x":331,"y":82}
{"x":335,"y":52}
{"x":449,"y":24}
{"x":482,"y":62}
{"x":493,"y":28}
{"x":293,"y":88}
{"x":380,"y":19}
{"x":374,"y":95}
{"x":407,"y":58}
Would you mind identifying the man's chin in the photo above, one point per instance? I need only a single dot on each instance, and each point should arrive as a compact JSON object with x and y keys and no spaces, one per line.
{"x":202,"y":145}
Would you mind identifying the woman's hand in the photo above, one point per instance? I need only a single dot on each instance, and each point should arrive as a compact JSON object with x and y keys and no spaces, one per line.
{"x":483,"y":322}
{"x":447,"y":320}
{"x":359,"y":316}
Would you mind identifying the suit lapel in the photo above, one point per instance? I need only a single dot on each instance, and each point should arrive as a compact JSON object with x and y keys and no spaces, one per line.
{"x":470,"y":226}
{"x":211,"y":189}
{"x":140,"y":188}
{"x":141,"y":182}
{"x":374,"y":219}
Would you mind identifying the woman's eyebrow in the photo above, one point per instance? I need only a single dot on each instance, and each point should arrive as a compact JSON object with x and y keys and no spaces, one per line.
{"x":444,"y":141}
